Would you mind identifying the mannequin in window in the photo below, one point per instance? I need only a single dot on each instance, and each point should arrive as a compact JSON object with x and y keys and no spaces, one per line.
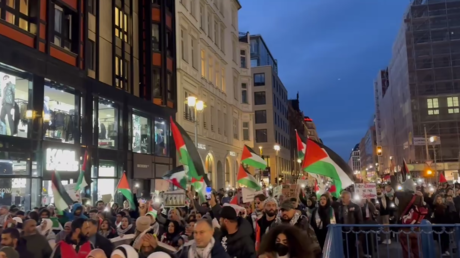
{"x":8,"y":92}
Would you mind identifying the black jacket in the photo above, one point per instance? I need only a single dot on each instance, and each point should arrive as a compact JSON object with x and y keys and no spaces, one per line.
{"x":104,"y":244}
{"x":217,"y":251}
{"x":21,"y":248}
{"x":240,"y":244}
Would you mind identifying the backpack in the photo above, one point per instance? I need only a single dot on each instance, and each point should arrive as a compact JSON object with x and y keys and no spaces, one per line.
{"x":413,"y":214}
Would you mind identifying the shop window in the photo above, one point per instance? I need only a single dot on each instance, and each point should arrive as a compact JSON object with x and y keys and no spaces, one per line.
{"x":65,"y":35}
{"x":106,"y":181}
{"x":156,"y":82}
{"x":60,"y":114}
{"x":161,"y":137}
{"x":15,"y":94}
{"x":121,"y":24}
{"x":13,"y":165}
{"x":18,"y":13}
{"x":107,"y":124}
{"x":141,"y":134}
{"x":92,"y":7}
{"x":16,"y":191}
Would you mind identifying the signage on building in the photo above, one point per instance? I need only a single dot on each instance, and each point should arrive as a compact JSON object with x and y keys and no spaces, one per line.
{"x":232,"y":153}
{"x":201,"y":146}
{"x":142,"y":166}
{"x":420,"y":141}
{"x":61,"y":160}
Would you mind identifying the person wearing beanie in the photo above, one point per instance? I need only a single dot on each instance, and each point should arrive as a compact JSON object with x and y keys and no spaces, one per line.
{"x":264,"y":223}
{"x":8,"y":252}
{"x":236,"y":237}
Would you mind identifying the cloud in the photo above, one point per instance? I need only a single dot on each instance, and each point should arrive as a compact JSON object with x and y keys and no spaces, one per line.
{"x":332,"y":134}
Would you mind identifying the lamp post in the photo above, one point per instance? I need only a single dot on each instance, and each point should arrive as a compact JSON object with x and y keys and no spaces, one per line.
{"x":277,"y":149}
{"x":432,"y":141}
{"x":197,"y":105}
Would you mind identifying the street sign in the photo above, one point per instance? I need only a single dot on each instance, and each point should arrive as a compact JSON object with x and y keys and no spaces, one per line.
{"x":429,"y":162}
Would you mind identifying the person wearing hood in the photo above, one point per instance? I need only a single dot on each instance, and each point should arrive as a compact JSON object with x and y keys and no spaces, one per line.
{"x":11,"y":238}
{"x":76,"y":212}
{"x":76,"y":243}
{"x":258,"y":212}
{"x":236,"y":234}
{"x":106,"y":229}
{"x":35,"y":242}
{"x":45,"y":229}
{"x":321,"y":218}
{"x":125,"y":227}
{"x":204,"y":245}
{"x":61,"y":235}
{"x":173,"y":231}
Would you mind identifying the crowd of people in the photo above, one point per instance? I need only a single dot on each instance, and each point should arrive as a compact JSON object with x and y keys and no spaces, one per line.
{"x":270,"y":228}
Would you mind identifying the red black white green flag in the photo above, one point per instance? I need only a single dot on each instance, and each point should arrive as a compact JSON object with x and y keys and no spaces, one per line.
{"x":301,"y":146}
{"x":250,"y":158}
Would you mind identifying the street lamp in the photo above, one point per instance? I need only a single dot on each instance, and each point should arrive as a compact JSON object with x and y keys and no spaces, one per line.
{"x":260,"y":150}
{"x":197,"y":105}
{"x":433,"y":139}
{"x":277,"y":149}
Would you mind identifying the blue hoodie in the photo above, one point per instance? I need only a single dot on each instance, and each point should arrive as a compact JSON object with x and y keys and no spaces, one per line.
{"x":71,"y":215}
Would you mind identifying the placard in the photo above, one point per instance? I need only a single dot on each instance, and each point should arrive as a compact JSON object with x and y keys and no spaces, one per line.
{"x":107,"y":198}
{"x":366,"y":190}
{"x":122,"y":240}
{"x":161,"y":185}
{"x":291,"y":191}
{"x":302,"y":182}
{"x":249,"y":194}
{"x":277,"y":191}
{"x":174,"y":198}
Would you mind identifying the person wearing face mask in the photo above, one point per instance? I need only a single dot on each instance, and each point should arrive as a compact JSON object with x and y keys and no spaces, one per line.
{"x":285,"y":241}
{"x":76,"y":243}
{"x":322,"y":217}
{"x":264,"y":223}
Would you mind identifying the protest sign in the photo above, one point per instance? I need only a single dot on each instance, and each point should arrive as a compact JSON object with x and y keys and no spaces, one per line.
{"x":161,"y":185}
{"x":107,"y":198}
{"x":277,"y":191}
{"x":122,"y":240}
{"x":174,"y":198}
{"x":366,"y":190}
{"x":290,"y":191}
{"x":249,"y":194}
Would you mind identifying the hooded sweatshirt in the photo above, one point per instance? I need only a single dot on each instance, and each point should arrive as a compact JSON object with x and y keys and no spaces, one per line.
{"x":240,"y":244}
{"x":71,"y":216}
{"x":38,"y":245}
{"x":45,"y":229}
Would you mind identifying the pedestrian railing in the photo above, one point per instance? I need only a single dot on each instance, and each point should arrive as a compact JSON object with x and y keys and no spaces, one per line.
{"x":392,"y":241}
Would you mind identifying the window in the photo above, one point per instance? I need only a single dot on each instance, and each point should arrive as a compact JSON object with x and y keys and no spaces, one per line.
{"x":222,"y":39}
{"x":91,"y":6}
{"x":452,"y":102}
{"x":204,"y":115}
{"x":216,"y":35}
{"x":217,"y":76}
{"x":155,"y":37}
{"x":225,"y":124}
{"x":203,"y":64}
{"x":212,"y":118}
{"x":260,"y":116}
{"x":156,"y":83}
{"x":63,"y":29}
{"x":17,"y":13}
{"x":261,"y":135}
{"x":169,"y":84}
{"x":244,"y":93}
{"x":15,"y":91}
{"x":202,"y":17}
{"x":141,"y":134}
{"x":161,"y":137}
{"x":193,"y":8}
{"x":234,"y":17}
{"x":235,"y":87}
{"x":234,"y":50}
{"x":235,"y":128}
{"x":183,"y":45}
{"x":189,"y":112}
{"x":433,"y":106}
{"x":121,"y":74}
{"x":245,"y":131}
{"x":169,"y":43}
{"x":259,"y":79}
{"x":121,"y":24}
{"x":193,"y":52}
{"x":219,"y":117}
{"x":108,"y":124}
{"x":209,"y":24}
{"x":91,"y":55}
{"x":243,"y":58}
{"x":259,"y":98}
{"x":223,"y":79}
{"x":210,"y":70}
{"x":60,"y":108}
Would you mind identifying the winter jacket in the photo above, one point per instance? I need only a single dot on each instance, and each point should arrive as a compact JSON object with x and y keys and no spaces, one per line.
{"x":217,"y":251}
{"x":71,"y":215}
{"x":240,"y":244}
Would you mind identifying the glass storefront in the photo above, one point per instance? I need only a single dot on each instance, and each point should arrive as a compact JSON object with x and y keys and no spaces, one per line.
{"x":14,"y":98}
{"x":108,"y":117}
{"x":61,"y":113}
{"x":161,"y":137}
{"x":141,"y":134}
{"x":105,"y":179}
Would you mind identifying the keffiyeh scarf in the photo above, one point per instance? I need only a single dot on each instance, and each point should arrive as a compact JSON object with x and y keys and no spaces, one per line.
{"x":195,"y":251}
{"x":121,"y":231}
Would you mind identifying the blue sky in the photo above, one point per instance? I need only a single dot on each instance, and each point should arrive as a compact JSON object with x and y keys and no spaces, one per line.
{"x":330,"y":51}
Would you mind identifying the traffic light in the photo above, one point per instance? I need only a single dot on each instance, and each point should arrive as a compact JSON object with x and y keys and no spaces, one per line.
{"x":428,"y":172}
{"x":379,"y":150}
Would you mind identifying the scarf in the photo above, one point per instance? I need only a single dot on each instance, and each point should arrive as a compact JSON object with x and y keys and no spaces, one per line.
{"x":121,"y":231}
{"x":321,"y":216}
{"x":292,"y":222}
{"x":195,"y":251}
{"x":255,"y":216}
{"x":106,"y":233}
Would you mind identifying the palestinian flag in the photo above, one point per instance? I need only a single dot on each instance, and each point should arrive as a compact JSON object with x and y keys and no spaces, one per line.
{"x":81,"y":183}
{"x":234,"y":200}
{"x":62,"y":199}
{"x":250,"y":158}
{"x":123,"y":188}
{"x":301,"y":146}
{"x":245,"y":178}
{"x":200,"y":187}
{"x":188,"y":154}
{"x":321,"y":160}
{"x":56,"y":224}
{"x":177,"y":177}
{"x":404,"y":170}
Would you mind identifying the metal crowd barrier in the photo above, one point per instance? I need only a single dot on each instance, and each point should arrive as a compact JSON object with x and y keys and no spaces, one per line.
{"x":407,"y":241}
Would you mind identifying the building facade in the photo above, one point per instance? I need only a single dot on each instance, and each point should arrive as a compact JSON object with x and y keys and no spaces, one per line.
{"x":296,"y":124}
{"x":71,"y":83}
{"x":212,"y":69}
{"x":271,"y":125}
{"x":424,"y":86}
{"x":311,"y":129}
{"x":355,"y":159}
{"x":367,"y":154}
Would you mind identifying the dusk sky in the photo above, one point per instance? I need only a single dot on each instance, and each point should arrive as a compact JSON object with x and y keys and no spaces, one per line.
{"x":330,"y":51}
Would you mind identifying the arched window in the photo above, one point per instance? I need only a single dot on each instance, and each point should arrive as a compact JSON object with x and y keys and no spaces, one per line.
{"x":228,"y":179}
